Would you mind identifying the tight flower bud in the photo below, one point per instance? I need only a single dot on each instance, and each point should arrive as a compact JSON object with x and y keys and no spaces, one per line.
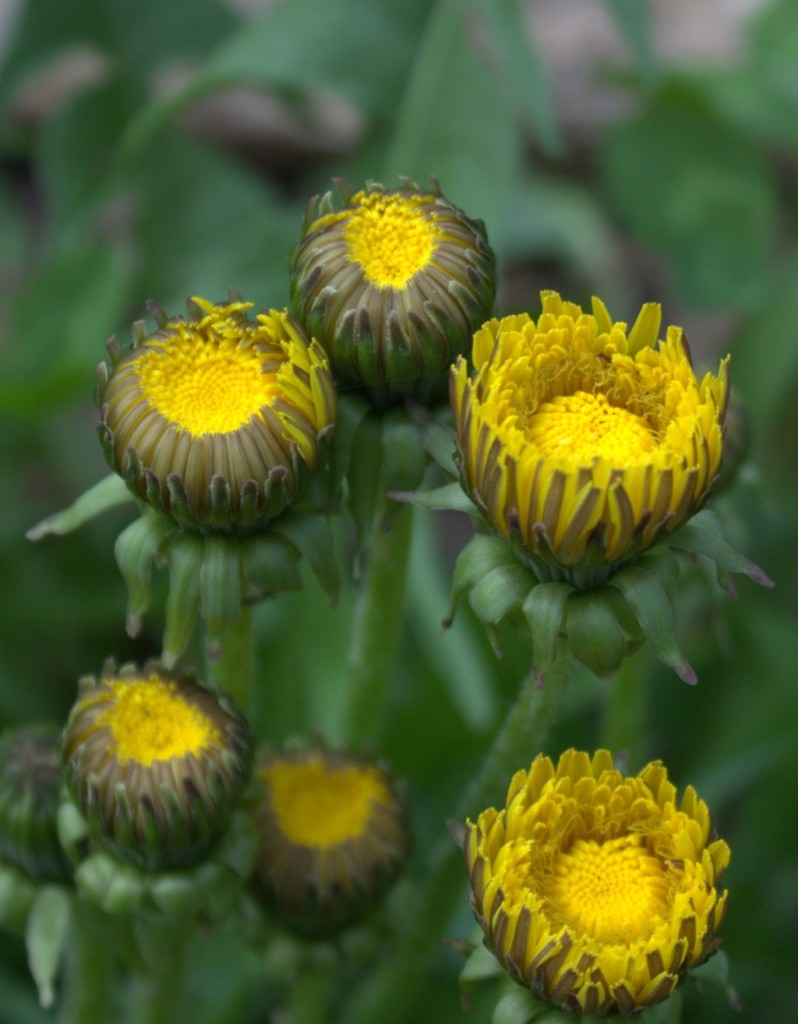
{"x":30,"y":785}
{"x":393,"y":285}
{"x":333,"y":835}
{"x":156,"y":764}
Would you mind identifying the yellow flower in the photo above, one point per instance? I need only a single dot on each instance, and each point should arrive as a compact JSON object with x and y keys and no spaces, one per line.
{"x":597,"y":891}
{"x":393,"y":285}
{"x":583,"y":443}
{"x":333,"y":837}
{"x":212,"y":419}
{"x":155,"y":762}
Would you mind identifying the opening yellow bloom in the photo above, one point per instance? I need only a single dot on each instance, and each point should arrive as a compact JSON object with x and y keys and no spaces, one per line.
{"x":155,"y":762}
{"x":388,"y":235}
{"x":595,"y":890}
{"x":333,"y":837}
{"x":583,"y":443}
{"x":210,"y":419}
{"x":393,"y":284}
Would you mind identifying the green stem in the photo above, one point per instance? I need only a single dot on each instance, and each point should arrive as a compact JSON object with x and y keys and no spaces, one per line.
{"x":310,"y":996}
{"x":158,"y":999}
{"x":623,"y":727}
{"x":234,"y":670}
{"x":91,"y":969}
{"x":376,"y":631}
{"x":392,"y":992}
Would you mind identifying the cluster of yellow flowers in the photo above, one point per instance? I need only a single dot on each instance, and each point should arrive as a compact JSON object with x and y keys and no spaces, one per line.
{"x":581,"y":444}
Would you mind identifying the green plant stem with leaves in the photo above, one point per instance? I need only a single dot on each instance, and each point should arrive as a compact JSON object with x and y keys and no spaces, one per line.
{"x":233,"y":672}
{"x":390,"y":994}
{"x":376,"y":631}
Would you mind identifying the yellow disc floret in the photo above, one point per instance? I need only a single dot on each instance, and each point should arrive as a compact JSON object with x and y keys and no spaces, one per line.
{"x":583,"y":426}
{"x":321,"y":805}
{"x":213,"y":418}
{"x":613,"y":891}
{"x":153,"y":722}
{"x":209,"y":389}
{"x":390,"y":236}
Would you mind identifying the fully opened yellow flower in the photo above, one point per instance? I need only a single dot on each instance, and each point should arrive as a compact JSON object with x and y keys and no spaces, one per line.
{"x":393,"y":285}
{"x":597,"y":891}
{"x":155,"y":762}
{"x":583,"y":443}
{"x":212,"y":418}
{"x":334,"y":835}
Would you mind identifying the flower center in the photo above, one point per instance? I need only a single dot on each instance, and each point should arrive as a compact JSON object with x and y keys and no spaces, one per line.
{"x":582,"y":427}
{"x":391,"y":239}
{"x":319,"y":805}
{"x":150,"y":721}
{"x":205,"y":387}
{"x":615,"y":891}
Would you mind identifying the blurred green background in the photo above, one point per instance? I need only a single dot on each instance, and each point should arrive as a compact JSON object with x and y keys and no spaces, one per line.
{"x":639,"y":151}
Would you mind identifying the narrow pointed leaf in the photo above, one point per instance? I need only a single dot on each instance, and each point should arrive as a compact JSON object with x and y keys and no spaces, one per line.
{"x":501,"y":591}
{"x":544,"y":610}
{"x":135,"y":549}
{"x":182,"y":603}
{"x":105,"y":495}
{"x":647,"y":598}
{"x":703,"y":535}
{"x":449,"y":497}
{"x":522,"y":66}
{"x":46,"y":936}
{"x":436,"y":436}
{"x":311,"y":536}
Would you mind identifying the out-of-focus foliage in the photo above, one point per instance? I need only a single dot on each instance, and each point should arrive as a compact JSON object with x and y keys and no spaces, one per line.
{"x":168,"y":149}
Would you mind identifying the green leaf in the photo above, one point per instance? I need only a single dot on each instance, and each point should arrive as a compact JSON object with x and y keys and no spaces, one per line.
{"x":207,"y":224}
{"x":482,"y":553}
{"x":357,"y":50}
{"x":648,"y":600}
{"x":544,"y":610}
{"x":500,"y":591}
{"x":135,"y":549}
{"x":456,"y":658}
{"x":436,"y":436}
{"x":595,"y":637}
{"x":703,"y":535}
{"x":58,"y":320}
{"x":46,"y":937}
{"x":699,"y":195}
{"x":633,"y":18}
{"x":310,"y":535}
{"x":107,"y":494}
{"x":403,"y":460}
{"x":449,"y":497}
{"x":525,"y":72}
{"x":449,"y":90}
{"x":184,"y":556}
